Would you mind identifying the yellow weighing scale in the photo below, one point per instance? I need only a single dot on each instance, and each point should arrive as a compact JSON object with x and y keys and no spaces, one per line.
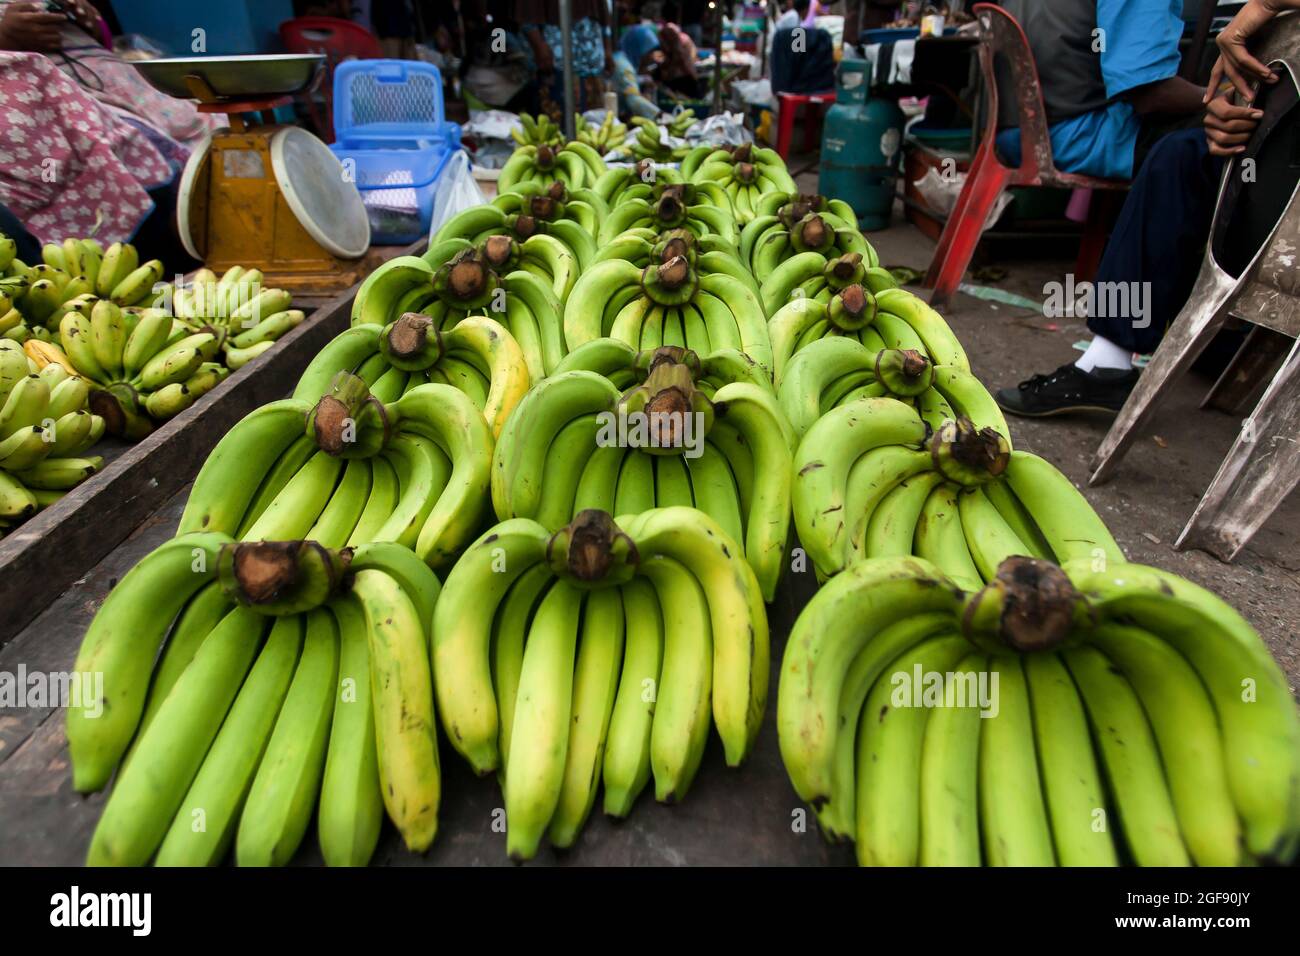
{"x":260,"y":194}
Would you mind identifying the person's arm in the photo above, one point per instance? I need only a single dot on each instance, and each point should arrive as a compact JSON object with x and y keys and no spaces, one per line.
{"x":542,"y":55}
{"x":27,"y":27}
{"x":1235,"y":62}
{"x":1173,"y":96}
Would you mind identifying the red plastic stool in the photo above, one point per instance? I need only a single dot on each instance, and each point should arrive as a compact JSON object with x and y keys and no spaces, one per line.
{"x":339,"y":40}
{"x":988,"y":177}
{"x":787,"y":105}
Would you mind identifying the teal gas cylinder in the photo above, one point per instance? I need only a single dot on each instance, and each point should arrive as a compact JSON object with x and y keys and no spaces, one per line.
{"x":860,"y":141}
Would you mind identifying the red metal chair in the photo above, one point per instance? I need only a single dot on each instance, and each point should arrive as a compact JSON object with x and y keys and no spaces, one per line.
{"x":339,"y":40}
{"x":788,"y":105}
{"x":988,"y":177}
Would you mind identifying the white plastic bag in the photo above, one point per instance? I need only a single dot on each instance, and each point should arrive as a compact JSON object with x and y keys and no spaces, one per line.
{"x":456,"y":192}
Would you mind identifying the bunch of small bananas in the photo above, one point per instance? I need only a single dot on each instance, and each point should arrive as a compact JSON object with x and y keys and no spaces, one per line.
{"x":679,"y":124}
{"x":45,"y":429}
{"x":669,"y":302}
{"x":602,"y":138}
{"x":880,"y":476}
{"x":634,"y":181}
{"x":74,"y":275}
{"x":253,"y":316}
{"x":1079,"y":715}
{"x":653,"y":142}
{"x":596,"y":654}
{"x":243,"y":722}
{"x":540,"y":131}
{"x":145,"y":366}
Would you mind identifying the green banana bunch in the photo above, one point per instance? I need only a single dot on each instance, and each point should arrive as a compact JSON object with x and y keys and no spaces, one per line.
{"x":468,"y":285}
{"x":881,"y":476}
{"x":541,"y":255}
{"x":722,"y":446}
{"x":703,"y":210}
{"x":643,"y":247}
{"x":471,"y":227}
{"x":888,"y":319}
{"x":746,"y":173}
{"x":479,"y":356}
{"x":539,"y":131}
{"x":597,"y":653}
{"x":941,"y":727}
{"x":575,"y":164}
{"x":652,"y":142}
{"x":602,"y":138}
{"x":634,"y":181}
{"x":669,"y":303}
{"x":554,"y":203}
{"x":336,"y":702}
{"x":839,"y":369}
{"x":799,"y":226}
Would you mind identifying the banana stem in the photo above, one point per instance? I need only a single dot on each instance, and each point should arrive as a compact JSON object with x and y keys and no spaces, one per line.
{"x":593,"y":550}
{"x":1031,"y":605}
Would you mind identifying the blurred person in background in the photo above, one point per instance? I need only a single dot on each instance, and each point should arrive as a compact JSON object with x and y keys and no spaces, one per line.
{"x":591,"y":43}
{"x":638,"y":55}
{"x":76,"y":42}
{"x":87,"y":147}
{"x":677,"y":72}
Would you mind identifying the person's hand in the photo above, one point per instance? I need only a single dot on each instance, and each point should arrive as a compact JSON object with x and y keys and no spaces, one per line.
{"x":1228,"y":127}
{"x":1235,"y":63}
{"x":86,"y":16}
{"x":26,"y":26}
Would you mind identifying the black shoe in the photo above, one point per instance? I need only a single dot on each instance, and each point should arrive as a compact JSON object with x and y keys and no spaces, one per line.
{"x":1069,"y":389}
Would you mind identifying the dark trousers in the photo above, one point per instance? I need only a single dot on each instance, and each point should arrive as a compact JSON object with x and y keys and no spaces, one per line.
{"x":1160,"y":236}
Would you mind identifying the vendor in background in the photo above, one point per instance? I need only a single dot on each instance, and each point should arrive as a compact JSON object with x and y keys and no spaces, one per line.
{"x":590,"y":41}
{"x":87,"y":147}
{"x":75,"y":42}
{"x":677,"y":72}
{"x":638,"y":54}
{"x":792,"y":16}
{"x":1158,"y":240}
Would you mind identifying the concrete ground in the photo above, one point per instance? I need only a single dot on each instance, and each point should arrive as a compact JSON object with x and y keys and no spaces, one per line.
{"x":1157,"y":485}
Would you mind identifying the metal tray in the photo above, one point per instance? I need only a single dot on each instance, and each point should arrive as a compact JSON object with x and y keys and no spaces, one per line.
{"x":233,"y":76}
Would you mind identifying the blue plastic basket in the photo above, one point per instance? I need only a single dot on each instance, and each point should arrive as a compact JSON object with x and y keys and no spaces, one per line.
{"x":392,"y":136}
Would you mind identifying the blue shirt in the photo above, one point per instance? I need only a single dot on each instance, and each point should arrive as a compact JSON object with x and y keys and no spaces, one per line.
{"x":1141,"y":47}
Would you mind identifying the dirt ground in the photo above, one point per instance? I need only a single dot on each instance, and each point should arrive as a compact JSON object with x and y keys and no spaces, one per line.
{"x":1157,"y":485}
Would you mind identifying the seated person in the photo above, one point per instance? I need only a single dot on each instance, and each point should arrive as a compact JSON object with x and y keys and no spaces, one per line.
{"x":1112,"y":88}
{"x":1158,"y":240}
{"x":115,"y":143}
{"x":638,"y":54}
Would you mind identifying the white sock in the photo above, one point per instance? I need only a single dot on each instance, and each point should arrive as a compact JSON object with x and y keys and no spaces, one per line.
{"x":1103,"y":353}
